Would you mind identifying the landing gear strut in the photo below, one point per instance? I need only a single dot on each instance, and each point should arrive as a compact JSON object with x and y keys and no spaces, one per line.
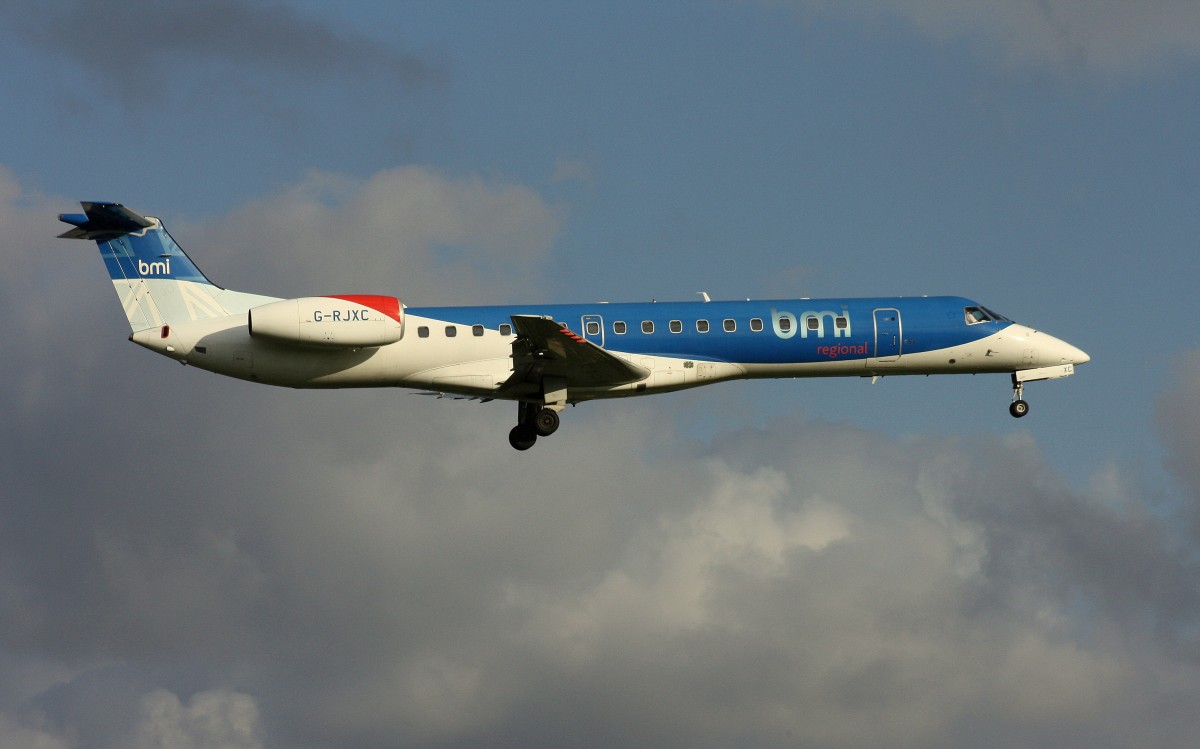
{"x":1019,"y":407}
{"x":533,"y":421}
{"x":524,"y":434}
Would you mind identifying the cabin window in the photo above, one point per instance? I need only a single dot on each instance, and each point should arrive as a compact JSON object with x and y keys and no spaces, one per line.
{"x":728,"y":325}
{"x":676,"y":326}
{"x":423,"y":331}
{"x":813,"y":323}
{"x":619,"y":327}
{"x":756,"y":324}
{"x":702,"y":326}
{"x":974,"y":315}
{"x":785,"y":324}
{"x":593,"y":327}
{"x":476,"y":330}
{"x":647,"y":326}
{"x":841,"y":323}
{"x":505,"y":329}
{"x":451,"y":331}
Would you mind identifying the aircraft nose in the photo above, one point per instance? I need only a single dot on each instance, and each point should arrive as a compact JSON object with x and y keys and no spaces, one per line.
{"x":1063,"y":352}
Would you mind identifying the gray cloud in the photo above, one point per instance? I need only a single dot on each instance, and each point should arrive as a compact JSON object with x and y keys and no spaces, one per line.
{"x":1108,"y":36}
{"x":1179,"y":420}
{"x":189,"y":557}
{"x":143,"y":47}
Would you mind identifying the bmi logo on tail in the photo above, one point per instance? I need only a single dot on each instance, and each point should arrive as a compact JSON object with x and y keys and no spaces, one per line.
{"x":155,"y":268}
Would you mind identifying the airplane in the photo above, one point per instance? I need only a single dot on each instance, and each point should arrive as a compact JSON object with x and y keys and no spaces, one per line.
{"x":545,"y":356}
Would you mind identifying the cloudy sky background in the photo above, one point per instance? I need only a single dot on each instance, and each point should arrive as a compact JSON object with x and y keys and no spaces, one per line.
{"x":188,"y":562}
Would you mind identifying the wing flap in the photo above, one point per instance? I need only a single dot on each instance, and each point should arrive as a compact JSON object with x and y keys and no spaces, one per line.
{"x":545,"y":348}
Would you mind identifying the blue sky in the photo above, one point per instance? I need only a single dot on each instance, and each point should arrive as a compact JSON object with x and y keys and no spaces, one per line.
{"x":1039,"y":157}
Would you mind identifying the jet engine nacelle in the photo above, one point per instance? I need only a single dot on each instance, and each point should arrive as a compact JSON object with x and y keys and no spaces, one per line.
{"x":351,"y":321}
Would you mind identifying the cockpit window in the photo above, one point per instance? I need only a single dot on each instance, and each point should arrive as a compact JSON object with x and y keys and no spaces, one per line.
{"x":976,"y":315}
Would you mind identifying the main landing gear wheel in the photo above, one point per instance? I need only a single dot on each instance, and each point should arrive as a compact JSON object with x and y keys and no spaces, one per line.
{"x":534,"y":419}
{"x":545,"y":423}
{"x":1018,"y":408}
{"x":522,"y":437}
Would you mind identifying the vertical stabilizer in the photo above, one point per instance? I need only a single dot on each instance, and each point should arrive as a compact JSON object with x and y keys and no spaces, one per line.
{"x":157,"y":283}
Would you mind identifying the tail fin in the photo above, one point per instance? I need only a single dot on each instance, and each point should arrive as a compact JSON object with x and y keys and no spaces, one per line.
{"x":157,"y":282}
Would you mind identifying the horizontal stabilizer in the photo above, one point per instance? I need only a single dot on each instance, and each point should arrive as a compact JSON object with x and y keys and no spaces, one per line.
{"x":102,"y":222}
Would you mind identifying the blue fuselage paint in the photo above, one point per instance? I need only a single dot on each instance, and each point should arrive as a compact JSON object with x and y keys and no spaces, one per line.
{"x":777,"y":331}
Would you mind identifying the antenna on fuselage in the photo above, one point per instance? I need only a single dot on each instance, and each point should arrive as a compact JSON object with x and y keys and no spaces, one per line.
{"x":704,"y":295}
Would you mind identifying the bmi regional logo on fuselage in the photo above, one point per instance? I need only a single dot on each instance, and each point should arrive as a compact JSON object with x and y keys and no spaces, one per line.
{"x":786,"y":324}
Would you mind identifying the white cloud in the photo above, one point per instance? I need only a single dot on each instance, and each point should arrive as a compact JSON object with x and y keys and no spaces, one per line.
{"x":743,"y":526}
{"x":15,"y":735}
{"x":411,"y":231}
{"x":216,"y":719}
{"x":782,"y":603}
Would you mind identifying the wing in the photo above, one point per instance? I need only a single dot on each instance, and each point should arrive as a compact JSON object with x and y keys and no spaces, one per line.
{"x":544,"y":348}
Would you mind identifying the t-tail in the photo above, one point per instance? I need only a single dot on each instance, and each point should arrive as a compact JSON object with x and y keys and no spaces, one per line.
{"x":157,"y":283}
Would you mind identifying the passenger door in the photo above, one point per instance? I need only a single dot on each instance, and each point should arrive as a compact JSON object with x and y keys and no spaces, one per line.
{"x":888,"y":335}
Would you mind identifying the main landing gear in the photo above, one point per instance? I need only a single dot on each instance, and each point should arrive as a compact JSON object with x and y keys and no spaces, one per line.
{"x":533,"y":421}
{"x":1019,"y":407}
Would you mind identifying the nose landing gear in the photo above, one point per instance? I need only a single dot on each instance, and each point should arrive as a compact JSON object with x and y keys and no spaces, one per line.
{"x":1056,"y":371}
{"x":1019,"y":407}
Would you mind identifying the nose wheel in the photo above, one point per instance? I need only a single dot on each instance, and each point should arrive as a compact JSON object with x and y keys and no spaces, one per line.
{"x":1019,"y":407}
